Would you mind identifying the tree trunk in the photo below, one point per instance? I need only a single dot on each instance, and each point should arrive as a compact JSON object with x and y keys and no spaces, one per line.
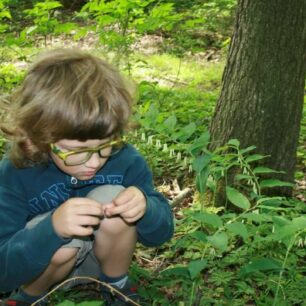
{"x":261,"y":99}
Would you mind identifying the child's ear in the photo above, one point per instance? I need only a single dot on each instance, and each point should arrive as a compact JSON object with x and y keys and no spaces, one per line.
{"x":27,"y":145}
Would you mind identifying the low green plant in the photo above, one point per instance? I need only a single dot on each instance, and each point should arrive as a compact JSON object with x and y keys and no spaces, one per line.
{"x":251,"y":254}
{"x":43,"y":17}
{"x":10,"y":77}
{"x":5,"y":14}
{"x":119,"y":22}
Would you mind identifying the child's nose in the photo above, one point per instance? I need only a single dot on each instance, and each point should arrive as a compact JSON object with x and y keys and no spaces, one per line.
{"x":94,"y":161}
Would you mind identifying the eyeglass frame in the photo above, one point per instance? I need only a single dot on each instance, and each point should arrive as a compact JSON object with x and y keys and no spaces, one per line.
{"x":64,"y":155}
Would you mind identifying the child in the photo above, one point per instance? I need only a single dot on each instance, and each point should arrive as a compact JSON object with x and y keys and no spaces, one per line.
{"x":66,"y":122}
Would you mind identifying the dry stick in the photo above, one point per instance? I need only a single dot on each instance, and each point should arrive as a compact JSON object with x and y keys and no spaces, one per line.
{"x":180,"y":198}
{"x":112,"y":289}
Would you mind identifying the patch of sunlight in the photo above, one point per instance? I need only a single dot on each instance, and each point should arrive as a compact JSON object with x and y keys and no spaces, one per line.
{"x":170,"y":69}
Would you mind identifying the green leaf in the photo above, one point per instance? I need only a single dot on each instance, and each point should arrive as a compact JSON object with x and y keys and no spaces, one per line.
{"x":170,"y":123}
{"x":185,"y":132}
{"x":210,"y":219}
{"x":199,"y":235}
{"x":248,"y":149}
{"x":260,"y":170}
{"x":280,"y":220}
{"x":195,"y":267}
{"x":234,"y":142}
{"x":219,"y":241}
{"x":254,"y":157}
{"x":199,"y":144}
{"x":201,"y":180}
{"x":237,"y":198}
{"x":289,"y":230}
{"x":239,"y":229}
{"x":176,"y":271}
{"x":274,"y":183}
{"x":201,"y":162}
{"x":300,"y":222}
{"x":261,"y":264}
{"x":240,"y":177}
{"x":257,"y":217}
{"x":270,"y":200}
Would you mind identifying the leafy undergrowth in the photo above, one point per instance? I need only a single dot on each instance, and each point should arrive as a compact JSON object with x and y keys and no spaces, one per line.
{"x":251,"y":250}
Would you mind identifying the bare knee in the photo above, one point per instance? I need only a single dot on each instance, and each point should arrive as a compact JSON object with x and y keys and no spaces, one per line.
{"x":64,"y":255}
{"x":115,"y":226}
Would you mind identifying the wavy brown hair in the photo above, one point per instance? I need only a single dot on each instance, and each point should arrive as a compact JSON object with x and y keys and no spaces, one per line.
{"x":66,"y":94}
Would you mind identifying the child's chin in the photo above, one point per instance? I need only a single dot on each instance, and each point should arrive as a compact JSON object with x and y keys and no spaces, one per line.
{"x":85,"y":177}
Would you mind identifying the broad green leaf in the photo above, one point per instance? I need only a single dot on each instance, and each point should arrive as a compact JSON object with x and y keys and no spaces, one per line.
{"x":280,"y":220}
{"x":176,"y":271}
{"x":261,"y":264}
{"x":259,"y":170}
{"x":238,"y":228}
{"x":300,"y":222}
{"x":257,"y":217}
{"x":170,"y":123}
{"x":254,"y":157}
{"x":274,"y":183}
{"x":199,"y":235}
{"x":201,"y":180}
{"x":248,"y":149}
{"x":195,"y":267}
{"x":211,"y":184}
{"x":237,"y":198}
{"x":234,"y":142}
{"x":219,"y":241}
{"x":269,"y":200}
{"x":184,"y":133}
{"x":201,"y":162}
{"x":210,"y":219}
{"x":240,"y":177}
{"x":199,"y":144}
{"x":281,"y":233}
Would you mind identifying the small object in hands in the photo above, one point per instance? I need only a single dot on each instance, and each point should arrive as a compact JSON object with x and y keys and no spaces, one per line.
{"x":105,"y":194}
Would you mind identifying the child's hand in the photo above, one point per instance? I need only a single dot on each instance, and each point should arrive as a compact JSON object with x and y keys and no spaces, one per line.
{"x":76,"y":217}
{"x":130,"y":204}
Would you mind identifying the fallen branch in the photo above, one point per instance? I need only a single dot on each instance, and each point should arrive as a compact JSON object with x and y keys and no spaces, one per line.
{"x":181,"y":197}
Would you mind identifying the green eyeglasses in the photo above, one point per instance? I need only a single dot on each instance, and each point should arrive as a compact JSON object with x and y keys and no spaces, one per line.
{"x":79,"y":157}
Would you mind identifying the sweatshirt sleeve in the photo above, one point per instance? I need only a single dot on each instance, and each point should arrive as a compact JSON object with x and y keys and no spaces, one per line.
{"x":156,"y":226}
{"x":24,"y":253}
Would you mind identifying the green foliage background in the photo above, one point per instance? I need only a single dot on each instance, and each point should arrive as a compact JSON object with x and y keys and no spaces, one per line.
{"x":251,"y":251}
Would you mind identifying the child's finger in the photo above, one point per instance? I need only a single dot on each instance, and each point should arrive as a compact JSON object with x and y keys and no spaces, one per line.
{"x":117,"y":210}
{"x":89,"y":210}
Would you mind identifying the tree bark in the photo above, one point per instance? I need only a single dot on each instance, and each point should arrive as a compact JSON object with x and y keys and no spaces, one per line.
{"x":261,"y":99}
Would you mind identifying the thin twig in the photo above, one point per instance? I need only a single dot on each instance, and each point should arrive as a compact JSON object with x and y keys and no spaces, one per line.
{"x":180,"y":197}
{"x":111,"y":288}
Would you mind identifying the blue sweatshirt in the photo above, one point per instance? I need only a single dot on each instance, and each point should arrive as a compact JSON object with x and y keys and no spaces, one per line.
{"x":28,"y":192}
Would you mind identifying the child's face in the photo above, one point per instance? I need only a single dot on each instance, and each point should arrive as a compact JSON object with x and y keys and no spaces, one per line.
{"x":88,"y":169}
